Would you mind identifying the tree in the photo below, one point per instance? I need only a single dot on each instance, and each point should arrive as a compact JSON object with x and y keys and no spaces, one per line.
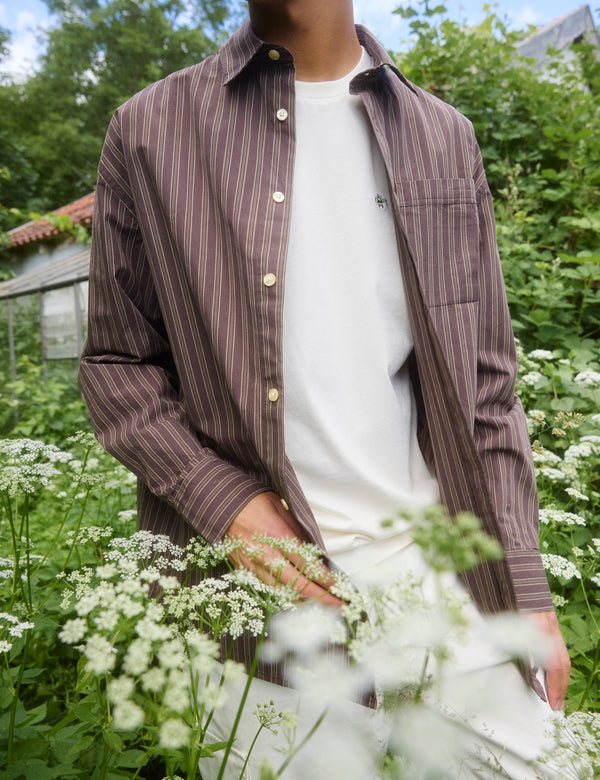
{"x":98,"y":54}
{"x":537,"y":133}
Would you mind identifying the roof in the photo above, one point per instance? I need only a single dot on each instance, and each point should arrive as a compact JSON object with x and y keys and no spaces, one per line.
{"x":60,"y":273}
{"x":559,"y":34}
{"x":80,"y":212}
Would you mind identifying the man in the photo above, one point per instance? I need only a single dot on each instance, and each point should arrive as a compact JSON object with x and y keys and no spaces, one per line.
{"x":251,"y":172}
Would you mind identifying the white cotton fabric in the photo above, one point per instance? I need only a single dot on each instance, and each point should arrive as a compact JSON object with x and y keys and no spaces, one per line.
{"x":350,"y":417}
{"x":480,"y":722}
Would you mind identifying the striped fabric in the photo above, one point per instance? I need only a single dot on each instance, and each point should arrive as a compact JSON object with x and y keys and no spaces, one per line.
{"x":182,"y":369}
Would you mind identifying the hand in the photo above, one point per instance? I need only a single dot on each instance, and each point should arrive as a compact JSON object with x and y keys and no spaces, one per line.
{"x":265,"y":514}
{"x":557,"y":663}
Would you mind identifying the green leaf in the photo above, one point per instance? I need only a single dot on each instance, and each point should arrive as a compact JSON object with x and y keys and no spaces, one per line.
{"x":406,"y":13}
{"x":113,"y":740}
{"x":132,"y":759}
{"x":31,"y":769}
{"x":207,"y":751}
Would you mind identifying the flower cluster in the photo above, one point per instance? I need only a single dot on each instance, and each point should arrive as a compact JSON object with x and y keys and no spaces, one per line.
{"x":154,"y":641}
{"x":559,"y":516}
{"x":11,"y":625}
{"x":560,"y":566}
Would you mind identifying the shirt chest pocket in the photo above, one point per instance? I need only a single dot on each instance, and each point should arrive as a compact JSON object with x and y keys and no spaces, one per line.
{"x":440,"y":220}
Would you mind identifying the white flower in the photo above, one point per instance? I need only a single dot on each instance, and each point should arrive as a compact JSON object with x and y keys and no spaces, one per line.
{"x":26,"y":478}
{"x":177,"y":696}
{"x":560,"y":567}
{"x":545,"y":457}
{"x":558,"y":601}
{"x":169,"y":583}
{"x":31,"y":450}
{"x":17,"y":630}
{"x":171,"y":655}
{"x":127,"y":514}
{"x":174,"y":734}
{"x":532,"y":378}
{"x":73,"y":631}
{"x":154,"y":679}
{"x":84,"y":439}
{"x":576,"y":494}
{"x":579,"y":451}
{"x":541,"y":354}
{"x":305,"y":629}
{"x":137,"y":658}
{"x":5,"y":646}
{"x":100,"y":654}
{"x":552,"y":474}
{"x":127,"y":716}
{"x":90,"y":533}
{"x":120,"y":688}
{"x":595,"y":579}
{"x":14,"y":625}
{"x":107,"y":620}
{"x":587,"y":378}
{"x":106,"y":572}
{"x":560,"y":516}
{"x":146,"y":628}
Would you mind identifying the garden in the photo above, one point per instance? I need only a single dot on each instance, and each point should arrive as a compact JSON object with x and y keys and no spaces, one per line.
{"x":102,"y":679}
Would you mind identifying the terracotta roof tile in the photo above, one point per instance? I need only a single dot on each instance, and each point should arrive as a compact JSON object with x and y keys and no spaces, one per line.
{"x":80,"y":212}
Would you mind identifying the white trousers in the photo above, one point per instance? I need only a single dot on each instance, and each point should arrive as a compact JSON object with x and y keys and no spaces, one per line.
{"x":480,"y":721}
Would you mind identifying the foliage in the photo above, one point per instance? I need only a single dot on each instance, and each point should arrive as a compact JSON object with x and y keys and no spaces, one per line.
{"x":108,"y":663}
{"x":97,"y":55}
{"x":538,"y":140}
{"x":47,"y":407}
{"x":562,"y":393}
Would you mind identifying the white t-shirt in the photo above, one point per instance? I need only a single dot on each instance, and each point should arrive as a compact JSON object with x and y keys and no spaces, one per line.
{"x":350,"y":417}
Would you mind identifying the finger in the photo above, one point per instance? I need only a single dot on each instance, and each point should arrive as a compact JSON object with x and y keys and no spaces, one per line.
{"x":275,"y":570}
{"x":557,"y":679}
{"x":318,"y":571}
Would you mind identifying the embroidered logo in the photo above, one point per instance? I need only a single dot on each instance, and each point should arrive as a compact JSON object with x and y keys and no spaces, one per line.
{"x":380,"y":201}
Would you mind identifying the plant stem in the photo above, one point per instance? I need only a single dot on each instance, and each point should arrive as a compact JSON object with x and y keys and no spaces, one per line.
{"x":590,"y":680}
{"x":315,"y":726}
{"x":15,"y":700}
{"x":260,"y":728}
{"x":240,"y":709}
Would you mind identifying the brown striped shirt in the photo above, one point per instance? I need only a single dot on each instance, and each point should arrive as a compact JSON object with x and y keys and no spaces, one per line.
{"x":182,"y":369}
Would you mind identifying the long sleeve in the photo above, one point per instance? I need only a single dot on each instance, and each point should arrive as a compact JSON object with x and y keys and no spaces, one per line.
{"x":500,"y":429}
{"x":127,"y":371}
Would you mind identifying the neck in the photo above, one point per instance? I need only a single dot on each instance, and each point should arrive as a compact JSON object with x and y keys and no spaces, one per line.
{"x":319,"y":34}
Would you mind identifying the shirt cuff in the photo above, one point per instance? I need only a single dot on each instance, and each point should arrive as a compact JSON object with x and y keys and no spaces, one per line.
{"x":530,"y":581}
{"x":212,"y":494}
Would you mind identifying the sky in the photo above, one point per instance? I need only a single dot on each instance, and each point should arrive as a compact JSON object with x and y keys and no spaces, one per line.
{"x":24,"y":17}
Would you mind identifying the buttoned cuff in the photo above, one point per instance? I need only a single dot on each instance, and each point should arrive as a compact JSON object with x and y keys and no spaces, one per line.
{"x":212,"y":494}
{"x":530,"y":581}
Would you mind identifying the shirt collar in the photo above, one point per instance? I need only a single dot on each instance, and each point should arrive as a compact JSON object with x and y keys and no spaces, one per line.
{"x":244,"y":45}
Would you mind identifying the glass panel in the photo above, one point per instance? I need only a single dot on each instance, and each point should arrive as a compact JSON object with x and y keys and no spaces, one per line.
{"x":60,"y":324}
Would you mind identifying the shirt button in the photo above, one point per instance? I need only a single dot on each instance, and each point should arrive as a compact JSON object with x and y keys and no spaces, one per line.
{"x":282,"y":114}
{"x":273,"y":394}
{"x":274,"y":55}
{"x":269,"y":280}
{"x":278,"y":197}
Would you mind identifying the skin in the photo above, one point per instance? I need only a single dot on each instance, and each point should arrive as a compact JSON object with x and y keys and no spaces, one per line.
{"x":322,"y":39}
{"x":319,"y":34}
